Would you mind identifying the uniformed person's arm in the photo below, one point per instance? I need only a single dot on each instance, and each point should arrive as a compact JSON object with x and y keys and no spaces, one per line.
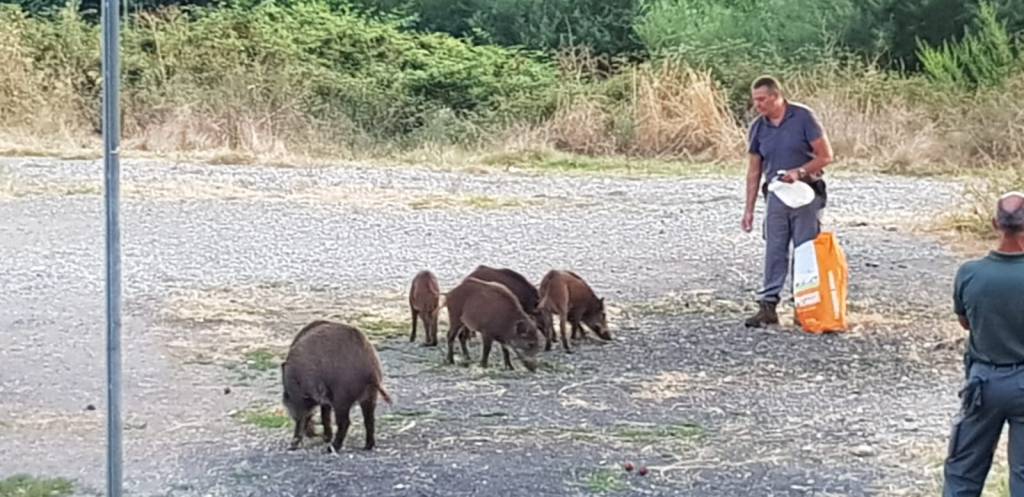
{"x":959,"y":308}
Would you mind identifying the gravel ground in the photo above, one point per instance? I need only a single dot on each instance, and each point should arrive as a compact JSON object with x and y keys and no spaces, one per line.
{"x":222,"y":261}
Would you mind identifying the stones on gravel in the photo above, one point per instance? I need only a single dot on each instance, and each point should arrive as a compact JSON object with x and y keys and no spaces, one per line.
{"x":864,"y":451}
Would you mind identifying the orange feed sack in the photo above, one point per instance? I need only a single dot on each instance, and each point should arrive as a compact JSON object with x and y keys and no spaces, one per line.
{"x":819,"y":284}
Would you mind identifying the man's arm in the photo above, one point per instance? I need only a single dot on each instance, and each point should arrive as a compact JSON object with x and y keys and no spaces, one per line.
{"x":821,"y":148}
{"x":822,"y":156}
{"x":753,"y":182}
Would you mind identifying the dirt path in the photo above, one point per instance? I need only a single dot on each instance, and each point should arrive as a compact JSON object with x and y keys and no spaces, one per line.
{"x":223,"y":265}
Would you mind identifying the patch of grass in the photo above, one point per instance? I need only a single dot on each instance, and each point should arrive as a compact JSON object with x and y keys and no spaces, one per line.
{"x":23,"y":485}
{"x":976,"y":218}
{"x":261,"y":360}
{"x":255,"y":365}
{"x":582,"y":164}
{"x":265,"y":418}
{"x":481,"y":202}
{"x":24,"y":152}
{"x":380,"y":327}
{"x":605,"y":481}
{"x":231,"y":159}
{"x":81,"y":155}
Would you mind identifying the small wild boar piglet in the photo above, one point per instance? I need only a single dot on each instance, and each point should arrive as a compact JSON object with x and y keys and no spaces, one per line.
{"x":566,"y":294}
{"x":424,"y":302}
{"x":521,"y":287}
{"x":491,"y":310}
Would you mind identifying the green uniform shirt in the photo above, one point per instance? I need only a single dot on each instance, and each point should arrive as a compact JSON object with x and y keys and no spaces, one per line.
{"x":990,"y":292}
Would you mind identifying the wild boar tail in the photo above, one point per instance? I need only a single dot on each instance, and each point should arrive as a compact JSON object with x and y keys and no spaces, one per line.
{"x":384,"y":394}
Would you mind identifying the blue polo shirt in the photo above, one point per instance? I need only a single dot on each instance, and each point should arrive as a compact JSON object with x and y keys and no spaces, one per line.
{"x":788,"y":145}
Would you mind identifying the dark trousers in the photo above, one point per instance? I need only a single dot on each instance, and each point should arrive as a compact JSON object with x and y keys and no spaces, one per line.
{"x":992,"y":396}
{"x":784,"y":228}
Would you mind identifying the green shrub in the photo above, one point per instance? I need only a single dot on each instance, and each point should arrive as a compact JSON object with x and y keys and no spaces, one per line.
{"x":280,"y":73}
{"x":984,"y":57}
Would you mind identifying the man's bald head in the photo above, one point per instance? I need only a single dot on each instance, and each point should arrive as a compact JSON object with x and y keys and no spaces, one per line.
{"x":1010,"y":213}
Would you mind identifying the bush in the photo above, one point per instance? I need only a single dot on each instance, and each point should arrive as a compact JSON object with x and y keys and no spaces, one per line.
{"x":604,"y":26}
{"x":270,"y":75}
{"x":739,"y":40}
{"x":985,"y":57}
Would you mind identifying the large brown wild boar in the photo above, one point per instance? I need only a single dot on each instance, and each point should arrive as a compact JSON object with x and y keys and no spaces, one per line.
{"x":333,"y":366}
{"x":521,"y":287}
{"x":566,"y":294}
{"x":424,"y":302}
{"x":493,"y":311}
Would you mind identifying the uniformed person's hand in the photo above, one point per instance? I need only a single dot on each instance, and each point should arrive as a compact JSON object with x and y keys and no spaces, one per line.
{"x":748,"y":221}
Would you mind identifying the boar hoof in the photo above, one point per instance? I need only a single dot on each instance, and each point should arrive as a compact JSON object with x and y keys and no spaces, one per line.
{"x":294,"y":445}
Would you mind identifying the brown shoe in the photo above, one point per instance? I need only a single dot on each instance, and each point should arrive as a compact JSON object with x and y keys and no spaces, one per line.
{"x":765,"y":316}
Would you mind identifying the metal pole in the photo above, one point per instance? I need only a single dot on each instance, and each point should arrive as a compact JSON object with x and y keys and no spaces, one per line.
{"x":112,"y":190}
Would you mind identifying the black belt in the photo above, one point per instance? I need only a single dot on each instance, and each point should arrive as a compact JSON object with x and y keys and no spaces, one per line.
{"x":1010,"y":366}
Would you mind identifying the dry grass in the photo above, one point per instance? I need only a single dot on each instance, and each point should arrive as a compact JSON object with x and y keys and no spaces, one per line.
{"x":680,"y":112}
{"x":250,"y":328}
{"x":669,"y":111}
{"x":978,"y":207}
{"x":548,"y":160}
{"x":929,"y":456}
{"x":469,"y":201}
{"x":700,"y":301}
{"x":183,"y":187}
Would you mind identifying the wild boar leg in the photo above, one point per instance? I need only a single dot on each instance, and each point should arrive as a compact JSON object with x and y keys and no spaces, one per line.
{"x":577,"y":330}
{"x":432,"y":329}
{"x":368,"y":406}
{"x":561,"y":327}
{"x":508,"y":360}
{"x":308,"y":422}
{"x":412,"y":336}
{"x":549,"y":330}
{"x":300,"y":427}
{"x":341,"y":408}
{"x":463,"y":336}
{"x":486,"y":351}
{"x":325,"y":419}
{"x":452,"y":331}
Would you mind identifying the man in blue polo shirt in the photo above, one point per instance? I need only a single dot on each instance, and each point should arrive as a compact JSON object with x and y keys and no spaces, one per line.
{"x":786,"y":140}
{"x":988,"y":299}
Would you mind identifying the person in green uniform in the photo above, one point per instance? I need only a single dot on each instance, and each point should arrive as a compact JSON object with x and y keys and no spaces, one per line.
{"x":988,"y":299}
